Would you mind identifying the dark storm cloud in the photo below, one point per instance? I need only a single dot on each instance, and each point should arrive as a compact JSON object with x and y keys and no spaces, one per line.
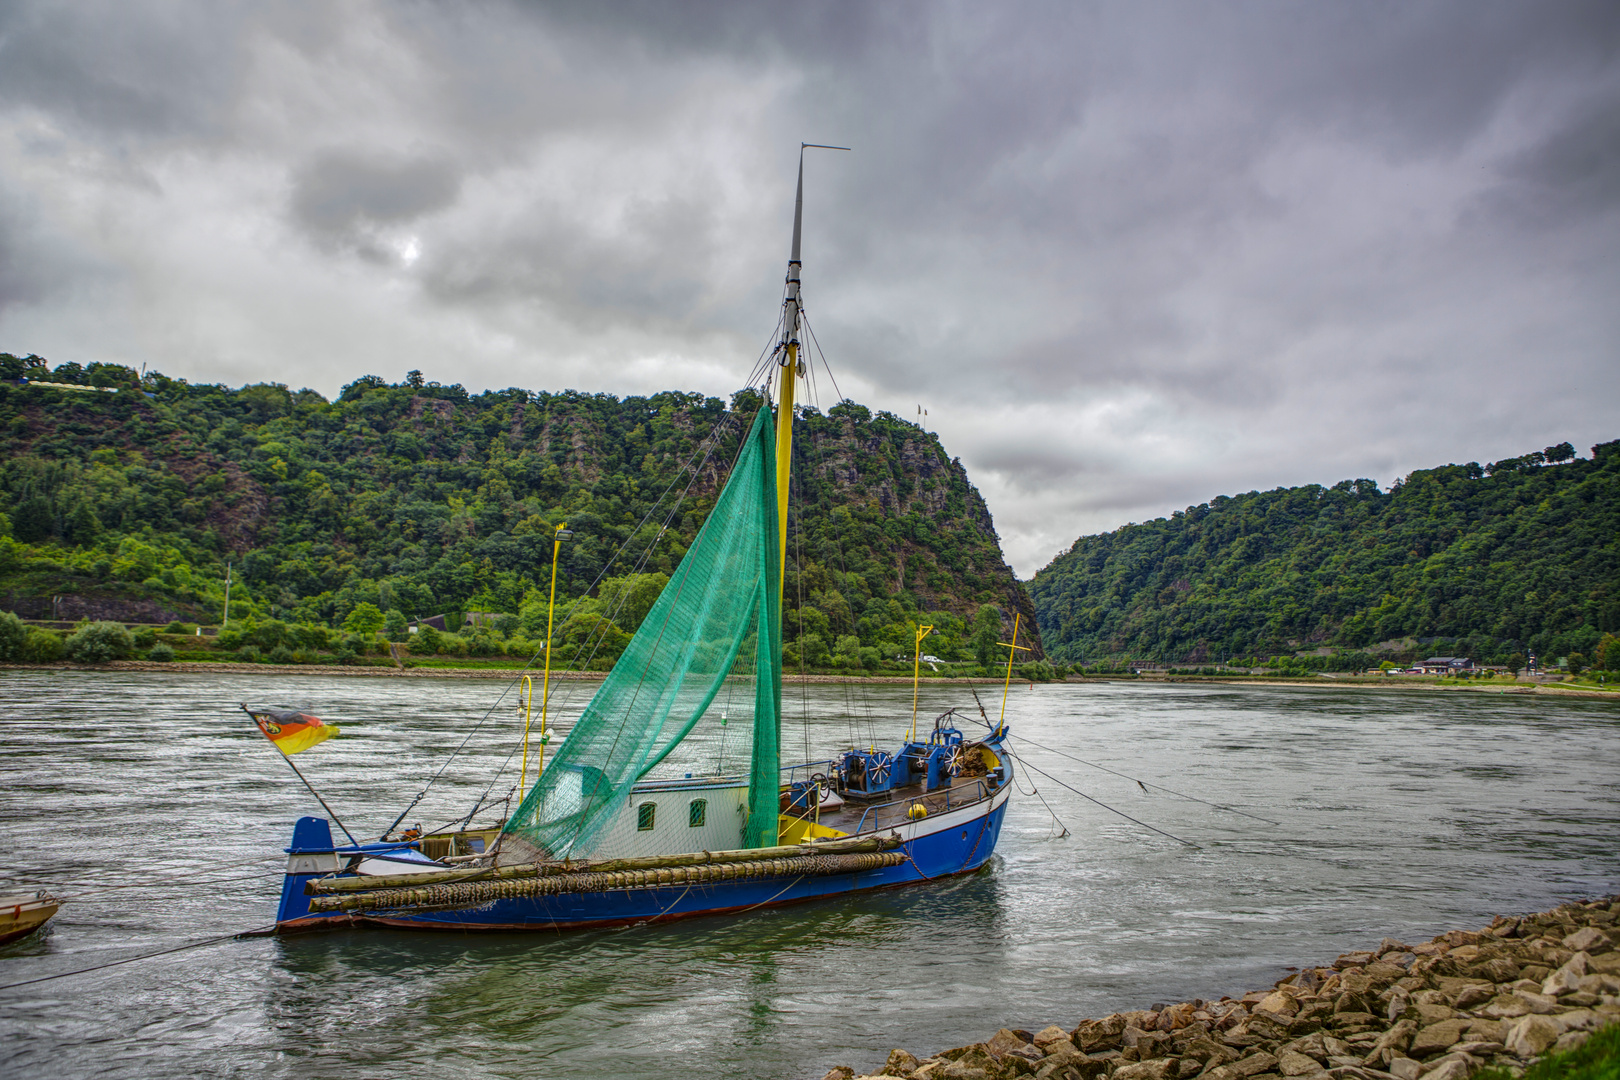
{"x":1129,"y":256}
{"x":340,"y":194}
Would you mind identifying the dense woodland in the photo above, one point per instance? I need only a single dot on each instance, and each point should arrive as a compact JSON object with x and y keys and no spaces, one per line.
{"x":1495,"y":562}
{"x":402,"y":501}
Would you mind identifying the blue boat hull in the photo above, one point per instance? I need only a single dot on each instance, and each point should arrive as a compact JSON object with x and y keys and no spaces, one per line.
{"x":957,"y":842}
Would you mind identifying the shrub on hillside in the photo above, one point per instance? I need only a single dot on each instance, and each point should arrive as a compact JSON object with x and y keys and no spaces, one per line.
{"x":43,"y":647}
{"x":160,"y":652}
{"x":282,"y":655}
{"x":100,"y":642}
{"x":248,"y":654}
{"x":13,"y":636}
{"x":144,"y":638}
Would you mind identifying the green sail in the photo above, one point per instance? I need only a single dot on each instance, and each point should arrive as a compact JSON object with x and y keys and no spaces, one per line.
{"x":722,"y":602}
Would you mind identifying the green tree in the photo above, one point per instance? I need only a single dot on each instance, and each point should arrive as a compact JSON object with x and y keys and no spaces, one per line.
{"x":1516,"y":662}
{"x":43,"y":646}
{"x":13,"y":636}
{"x":394,"y":624}
{"x":99,"y":642}
{"x":32,"y":520}
{"x":986,"y":632}
{"x":366,"y":618}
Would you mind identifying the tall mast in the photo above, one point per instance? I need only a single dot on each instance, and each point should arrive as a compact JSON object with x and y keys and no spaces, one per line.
{"x":788,"y":356}
{"x":792,"y":367}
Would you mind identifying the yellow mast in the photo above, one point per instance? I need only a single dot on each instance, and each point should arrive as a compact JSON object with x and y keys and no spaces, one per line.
{"x":1013,"y":649}
{"x":916,"y":675}
{"x":562,"y":533}
{"x":791,"y":367}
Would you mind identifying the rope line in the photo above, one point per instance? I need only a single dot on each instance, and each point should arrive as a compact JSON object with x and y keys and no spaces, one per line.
{"x":1100,"y":803}
{"x":132,"y":959}
{"x":1140,"y":783}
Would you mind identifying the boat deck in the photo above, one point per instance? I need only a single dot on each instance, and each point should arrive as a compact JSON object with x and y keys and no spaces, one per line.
{"x":895,"y":807}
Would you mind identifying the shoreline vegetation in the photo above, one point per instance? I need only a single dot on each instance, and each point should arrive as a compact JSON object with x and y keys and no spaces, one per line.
{"x":1536,"y":996}
{"x":440,"y":669}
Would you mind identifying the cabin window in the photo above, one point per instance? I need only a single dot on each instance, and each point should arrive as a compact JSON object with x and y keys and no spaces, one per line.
{"x":645,"y":814}
{"x":696,"y":811}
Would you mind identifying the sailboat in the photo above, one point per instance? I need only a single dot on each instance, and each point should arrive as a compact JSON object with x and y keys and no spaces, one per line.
{"x":668,"y":798}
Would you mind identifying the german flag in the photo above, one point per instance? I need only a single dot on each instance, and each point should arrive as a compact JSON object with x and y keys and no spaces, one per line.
{"x":292,"y":732}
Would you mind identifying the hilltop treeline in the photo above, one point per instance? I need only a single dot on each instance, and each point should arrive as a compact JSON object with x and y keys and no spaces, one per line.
{"x":1518,"y":556}
{"x":412,"y":499}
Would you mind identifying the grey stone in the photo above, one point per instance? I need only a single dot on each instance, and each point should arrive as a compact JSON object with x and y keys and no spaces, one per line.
{"x":1436,"y":1037}
{"x":1471,"y":996}
{"x":1530,"y":1036}
{"x":1589,"y":939}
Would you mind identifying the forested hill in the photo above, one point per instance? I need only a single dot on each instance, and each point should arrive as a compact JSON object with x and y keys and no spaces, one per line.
{"x":1521,"y":555}
{"x":420,"y":499}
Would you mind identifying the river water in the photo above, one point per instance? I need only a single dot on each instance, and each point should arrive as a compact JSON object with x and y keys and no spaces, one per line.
{"x":1389,"y":813}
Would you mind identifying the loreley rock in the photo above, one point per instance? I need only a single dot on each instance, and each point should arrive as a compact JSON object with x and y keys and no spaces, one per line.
{"x":1443,"y":1010}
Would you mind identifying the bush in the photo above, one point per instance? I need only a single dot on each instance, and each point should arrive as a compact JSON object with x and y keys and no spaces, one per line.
{"x":345,"y":655}
{"x":248,"y":654}
{"x":282,"y":655}
{"x":178,"y":627}
{"x":100,"y":642}
{"x":13,"y":637}
{"x":43,"y":646}
{"x":161,"y":652}
{"x":144,"y":638}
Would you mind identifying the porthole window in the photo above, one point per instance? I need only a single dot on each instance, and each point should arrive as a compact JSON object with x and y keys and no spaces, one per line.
{"x":696,"y":811}
{"x":645,"y":815}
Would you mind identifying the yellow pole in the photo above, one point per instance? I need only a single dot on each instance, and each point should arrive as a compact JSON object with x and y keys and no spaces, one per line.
{"x":551,"y":610}
{"x":916,"y":674}
{"x":526,"y":703}
{"x":1013,"y":649}
{"x":784,"y":450}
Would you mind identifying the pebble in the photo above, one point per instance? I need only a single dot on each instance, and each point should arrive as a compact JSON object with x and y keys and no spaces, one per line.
{"x":1500,"y":996}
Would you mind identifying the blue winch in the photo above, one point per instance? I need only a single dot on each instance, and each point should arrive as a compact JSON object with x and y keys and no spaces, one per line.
{"x":870,"y":772}
{"x":935,"y":762}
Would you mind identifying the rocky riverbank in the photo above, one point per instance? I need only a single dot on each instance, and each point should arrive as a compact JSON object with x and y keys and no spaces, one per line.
{"x":1442,"y":1010}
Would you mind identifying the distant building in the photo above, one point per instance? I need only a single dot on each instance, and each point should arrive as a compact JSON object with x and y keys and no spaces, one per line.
{"x":435,"y":621}
{"x":1443,"y":665}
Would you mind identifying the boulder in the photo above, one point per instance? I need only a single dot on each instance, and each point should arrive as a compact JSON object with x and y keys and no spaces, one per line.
{"x":840,"y":1072}
{"x":1391,"y":1044}
{"x":1404,"y":1068}
{"x":1604,"y":963}
{"x":1588,"y":939}
{"x":1436,"y":1037}
{"x":1256,"y":1063}
{"x":1102,"y":1034}
{"x":900,"y":1063}
{"x":1566,"y":979}
{"x":1292,"y":1063}
{"x":1571,"y":1040}
{"x":1354,"y":959}
{"x":1350,"y":1002}
{"x":1471,"y":996}
{"x":1430,"y":1014}
{"x":1506,"y":1007}
{"x":1048,"y":1037}
{"x":1539,"y":1003}
{"x":1003,"y":1041}
{"x":1279,"y":1002}
{"x":1453,"y":1067}
{"x":1530,"y":1036}
{"x":1159,"y":1069}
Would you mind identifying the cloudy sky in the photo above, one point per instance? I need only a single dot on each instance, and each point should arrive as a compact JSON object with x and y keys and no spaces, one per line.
{"x":1129,"y":256}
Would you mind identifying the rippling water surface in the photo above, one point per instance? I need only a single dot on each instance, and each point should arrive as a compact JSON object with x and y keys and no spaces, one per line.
{"x":162,"y":814}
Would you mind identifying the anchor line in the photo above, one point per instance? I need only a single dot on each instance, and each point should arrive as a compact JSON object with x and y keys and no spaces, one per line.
{"x":144,"y":956}
{"x":1019,"y":758}
{"x":1141,"y":784}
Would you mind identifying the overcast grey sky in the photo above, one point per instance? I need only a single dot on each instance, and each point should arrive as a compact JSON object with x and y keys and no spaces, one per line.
{"x":1129,"y":256}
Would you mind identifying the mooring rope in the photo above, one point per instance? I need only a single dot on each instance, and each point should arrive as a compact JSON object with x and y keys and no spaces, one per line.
{"x":144,"y":956}
{"x":1144,"y":784}
{"x":1019,"y":758}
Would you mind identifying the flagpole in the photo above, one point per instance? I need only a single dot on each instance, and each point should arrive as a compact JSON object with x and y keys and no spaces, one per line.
{"x":305,"y":779}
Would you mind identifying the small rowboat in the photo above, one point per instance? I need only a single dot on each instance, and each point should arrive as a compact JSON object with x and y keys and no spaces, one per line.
{"x":23,"y":913}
